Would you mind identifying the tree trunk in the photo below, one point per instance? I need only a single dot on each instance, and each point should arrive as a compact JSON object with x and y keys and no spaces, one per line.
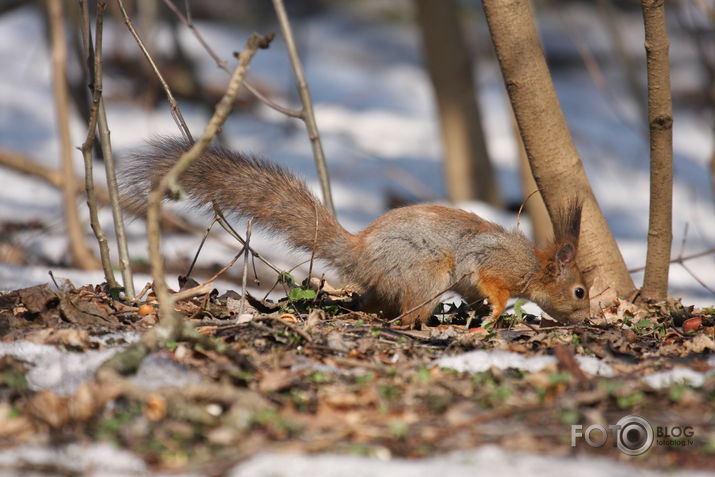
{"x":80,"y":253}
{"x":554,"y":161}
{"x":469,"y":174}
{"x":660,"y":122}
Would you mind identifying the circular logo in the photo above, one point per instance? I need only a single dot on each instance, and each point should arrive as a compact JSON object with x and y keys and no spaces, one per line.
{"x":634,"y":435}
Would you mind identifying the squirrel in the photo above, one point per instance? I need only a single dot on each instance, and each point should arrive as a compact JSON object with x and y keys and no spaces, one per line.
{"x":402,"y":262}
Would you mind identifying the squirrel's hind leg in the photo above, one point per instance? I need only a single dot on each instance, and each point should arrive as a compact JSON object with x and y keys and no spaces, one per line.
{"x":420,"y":297}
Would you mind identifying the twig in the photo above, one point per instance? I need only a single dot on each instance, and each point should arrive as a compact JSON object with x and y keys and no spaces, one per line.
{"x":186,"y":19}
{"x":201,"y":245}
{"x":170,"y":325}
{"x":175,"y":111}
{"x":608,"y":14}
{"x":280,"y":278}
{"x":290,"y":326}
{"x":25,"y":165}
{"x":315,"y":242}
{"x":143,"y":291}
{"x":308,"y":115}
{"x":696,"y":278}
{"x":403,"y":314}
{"x":680,"y":259}
{"x":521,"y":207}
{"x":88,"y":145}
{"x":81,"y":255}
{"x":201,"y":288}
{"x":111,"y":175}
{"x":232,"y":232}
{"x":244,"y":281}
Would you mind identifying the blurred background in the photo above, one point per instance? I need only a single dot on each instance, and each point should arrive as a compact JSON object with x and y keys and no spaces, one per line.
{"x":409,"y":102}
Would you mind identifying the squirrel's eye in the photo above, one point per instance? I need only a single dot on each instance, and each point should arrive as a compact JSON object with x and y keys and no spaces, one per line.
{"x":579,"y":292}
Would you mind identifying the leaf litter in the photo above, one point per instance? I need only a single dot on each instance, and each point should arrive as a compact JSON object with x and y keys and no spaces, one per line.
{"x":310,"y":374}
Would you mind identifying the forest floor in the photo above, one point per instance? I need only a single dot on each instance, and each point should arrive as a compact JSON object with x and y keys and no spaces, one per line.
{"x":306,"y":374}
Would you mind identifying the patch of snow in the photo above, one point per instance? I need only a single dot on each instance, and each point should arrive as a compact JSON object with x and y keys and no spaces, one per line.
{"x":486,"y":460}
{"x":90,"y":460}
{"x":679,"y":375}
{"x":157,"y":371}
{"x":594,"y":366}
{"x":62,"y":372}
{"x":478,"y":361}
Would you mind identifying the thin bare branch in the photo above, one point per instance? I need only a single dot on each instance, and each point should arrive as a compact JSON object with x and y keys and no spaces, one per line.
{"x":201,"y":245}
{"x":232,"y":232}
{"x":186,"y":19}
{"x":521,"y":207}
{"x":680,"y":259}
{"x":304,"y":93}
{"x":25,"y":165}
{"x":695,"y":277}
{"x":290,"y":326}
{"x":111,"y":175}
{"x":205,"y":287}
{"x":417,"y":307}
{"x":81,"y":255}
{"x":170,"y":325}
{"x":175,"y":111}
{"x":246,"y":255}
{"x":88,"y":145}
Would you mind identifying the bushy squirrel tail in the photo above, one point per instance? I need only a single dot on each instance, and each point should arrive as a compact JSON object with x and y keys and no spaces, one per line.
{"x":248,"y":187}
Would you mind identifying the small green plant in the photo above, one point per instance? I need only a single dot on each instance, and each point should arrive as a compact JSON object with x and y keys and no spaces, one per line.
{"x":116,"y":292}
{"x":609,"y":386}
{"x":561,"y":377}
{"x":389,"y":392}
{"x":500,"y":393}
{"x":365,"y":379}
{"x":519,"y":309}
{"x":399,"y":429}
{"x":423,"y":374}
{"x":286,"y":278}
{"x":301,"y":293}
{"x":642,"y":326}
{"x":319,"y":377}
{"x":630,"y":400}
{"x":676,"y":390}
{"x":569,"y":417}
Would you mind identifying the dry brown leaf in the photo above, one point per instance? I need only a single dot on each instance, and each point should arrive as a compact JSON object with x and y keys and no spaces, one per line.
{"x":49,"y":408}
{"x":19,"y":428}
{"x":337,"y":343}
{"x":278,"y":380}
{"x":74,"y":337}
{"x":290,"y":318}
{"x":84,"y":404}
{"x":154,"y":407}
{"x":700,"y":343}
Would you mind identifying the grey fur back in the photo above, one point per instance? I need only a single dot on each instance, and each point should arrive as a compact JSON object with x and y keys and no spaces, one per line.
{"x":245,"y":186}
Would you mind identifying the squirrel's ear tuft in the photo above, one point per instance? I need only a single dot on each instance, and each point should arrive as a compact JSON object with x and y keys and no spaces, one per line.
{"x":567,"y":225}
{"x":565,"y":254}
